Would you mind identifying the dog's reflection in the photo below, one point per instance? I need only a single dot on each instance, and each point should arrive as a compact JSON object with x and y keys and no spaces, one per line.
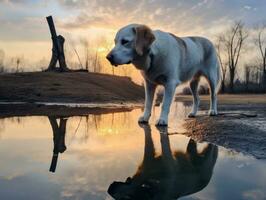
{"x":59,"y":132}
{"x":170,"y":175}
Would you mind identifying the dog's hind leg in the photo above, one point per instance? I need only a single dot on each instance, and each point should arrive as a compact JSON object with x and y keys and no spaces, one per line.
{"x":213,"y":101}
{"x":194,"y":90}
{"x":213,"y":79}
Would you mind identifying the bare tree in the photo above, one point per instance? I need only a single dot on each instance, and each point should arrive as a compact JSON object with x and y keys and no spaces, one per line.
{"x":247,"y":76}
{"x":233,"y":41}
{"x":103,"y":46}
{"x":96,"y":61}
{"x":77,"y":54}
{"x":260,"y":42}
{"x":223,"y":63}
{"x":108,"y":46}
{"x":18,"y":62}
{"x":85,"y":45}
{"x":2,"y":58}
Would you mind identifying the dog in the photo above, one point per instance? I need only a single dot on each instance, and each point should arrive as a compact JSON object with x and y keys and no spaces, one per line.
{"x":169,"y":175}
{"x":167,"y":60}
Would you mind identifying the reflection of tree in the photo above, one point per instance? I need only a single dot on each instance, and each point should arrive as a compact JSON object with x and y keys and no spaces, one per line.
{"x":86,"y":136}
{"x":99,"y":124}
{"x":2,"y":127}
{"x":59,"y":132}
{"x":97,"y":121}
{"x":112,"y":121}
{"x":170,"y":175}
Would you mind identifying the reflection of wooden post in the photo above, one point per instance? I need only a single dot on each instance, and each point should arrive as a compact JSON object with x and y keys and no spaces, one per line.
{"x":59,"y":132}
{"x":58,"y":49}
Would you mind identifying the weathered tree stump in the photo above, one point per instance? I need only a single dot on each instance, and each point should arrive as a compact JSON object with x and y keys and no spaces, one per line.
{"x":57,"y":50}
{"x":59,"y":132}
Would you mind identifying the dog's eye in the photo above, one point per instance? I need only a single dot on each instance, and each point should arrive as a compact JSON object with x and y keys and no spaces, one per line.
{"x":123,"y":41}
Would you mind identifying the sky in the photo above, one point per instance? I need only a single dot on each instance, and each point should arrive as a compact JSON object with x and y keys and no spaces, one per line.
{"x":24,"y":31}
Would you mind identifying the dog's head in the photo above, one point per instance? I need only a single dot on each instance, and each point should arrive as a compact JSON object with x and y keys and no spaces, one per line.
{"x":129,"y":190}
{"x":130,"y":42}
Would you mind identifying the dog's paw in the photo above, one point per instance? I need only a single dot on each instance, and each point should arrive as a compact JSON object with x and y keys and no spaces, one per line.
{"x":161,"y":122}
{"x":191,"y":115}
{"x":162,"y":129}
{"x":213,"y":113}
{"x":143,"y":120}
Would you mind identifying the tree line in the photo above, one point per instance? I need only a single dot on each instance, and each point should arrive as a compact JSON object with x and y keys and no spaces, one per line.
{"x":230,"y":46}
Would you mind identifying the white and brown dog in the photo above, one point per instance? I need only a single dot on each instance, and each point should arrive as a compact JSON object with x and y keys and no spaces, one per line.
{"x":167,"y":60}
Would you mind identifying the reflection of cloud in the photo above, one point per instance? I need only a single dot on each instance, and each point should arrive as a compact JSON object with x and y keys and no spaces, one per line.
{"x":86,"y":169}
{"x":36,"y":188}
{"x":254,"y":194}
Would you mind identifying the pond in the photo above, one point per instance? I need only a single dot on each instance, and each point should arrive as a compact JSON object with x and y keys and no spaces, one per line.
{"x":108,"y":156}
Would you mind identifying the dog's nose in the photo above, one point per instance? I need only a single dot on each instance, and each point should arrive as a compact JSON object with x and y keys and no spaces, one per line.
{"x":110,"y":57}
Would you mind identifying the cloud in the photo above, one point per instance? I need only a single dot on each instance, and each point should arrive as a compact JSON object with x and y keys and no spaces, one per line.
{"x":184,"y":16}
{"x":14,"y":1}
{"x":26,"y":28}
{"x":247,"y":7}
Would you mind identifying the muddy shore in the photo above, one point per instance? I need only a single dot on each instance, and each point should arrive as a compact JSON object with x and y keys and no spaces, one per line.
{"x":75,"y":87}
{"x":240,"y":126}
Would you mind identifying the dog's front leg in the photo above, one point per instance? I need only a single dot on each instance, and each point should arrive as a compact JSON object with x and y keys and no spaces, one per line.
{"x":149,"y":95}
{"x":169,"y":91}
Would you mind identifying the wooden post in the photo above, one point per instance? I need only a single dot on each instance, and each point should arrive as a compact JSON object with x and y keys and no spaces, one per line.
{"x":58,"y":48}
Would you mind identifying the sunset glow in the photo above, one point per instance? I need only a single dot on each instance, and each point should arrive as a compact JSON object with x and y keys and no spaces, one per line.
{"x":25,"y":34}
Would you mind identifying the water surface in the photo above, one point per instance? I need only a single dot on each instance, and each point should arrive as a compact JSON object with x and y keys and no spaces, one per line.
{"x":111,"y":155}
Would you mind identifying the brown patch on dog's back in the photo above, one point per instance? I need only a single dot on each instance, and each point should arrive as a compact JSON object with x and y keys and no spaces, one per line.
{"x":179,"y":40}
{"x":193,"y":39}
{"x":206,"y":46}
{"x":183,"y":49}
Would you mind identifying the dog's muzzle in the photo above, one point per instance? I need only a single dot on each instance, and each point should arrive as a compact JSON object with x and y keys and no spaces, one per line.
{"x":110,"y":57}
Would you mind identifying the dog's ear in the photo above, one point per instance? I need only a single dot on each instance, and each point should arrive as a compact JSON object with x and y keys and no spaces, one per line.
{"x":143,"y":39}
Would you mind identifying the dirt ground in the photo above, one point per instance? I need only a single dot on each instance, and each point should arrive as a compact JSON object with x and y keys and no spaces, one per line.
{"x":240,"y":125}
{"x":76,"y":87}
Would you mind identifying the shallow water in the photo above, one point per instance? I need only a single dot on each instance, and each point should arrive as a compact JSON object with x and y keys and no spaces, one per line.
{"x":102,"y":151}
